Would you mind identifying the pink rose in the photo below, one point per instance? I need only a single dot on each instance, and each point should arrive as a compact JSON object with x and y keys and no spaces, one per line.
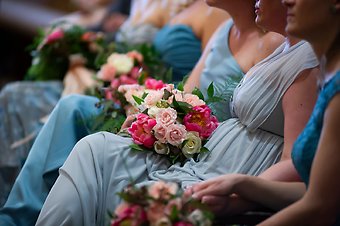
{"x":151,"y":83}
{"x":58,"y":33}
{"x":175,"y":134}
{"x":174,"y":203}
{"x":125,"y":79}
{"x":152,"y":98}
{"x":162,"y":190}
{"x":141,"y":130}
{"x":201,"y":121}
{"x":107,"y":72}
{"x":166,"y":116}
{"x":115,"y":83}
{"x":160,"y":132}
{"x":130,"y":215}
{"x":135,"y":72}
{"x":193,"y":100}
{"x":136,"y":56}
{"x":155,"y":212}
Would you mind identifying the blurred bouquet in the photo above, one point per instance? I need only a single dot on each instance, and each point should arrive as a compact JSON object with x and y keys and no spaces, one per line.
{"x":171,"y":122}
{"x":159,"y":204}
{"x":59,"y":47}
{"x":119,"y":69}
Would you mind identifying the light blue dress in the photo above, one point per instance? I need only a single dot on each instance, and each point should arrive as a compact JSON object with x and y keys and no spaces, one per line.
{"x":18,"y":123}
{"x":67,"y":125}
{"x":306,"y":144}
{"x":179,"y":49}
{"x":100,"y":165}
{"x":22,"y":106}
{"x":222,"y":69}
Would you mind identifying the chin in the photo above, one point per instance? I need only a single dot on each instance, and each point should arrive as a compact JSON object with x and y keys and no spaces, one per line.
{"x":210,"y":3}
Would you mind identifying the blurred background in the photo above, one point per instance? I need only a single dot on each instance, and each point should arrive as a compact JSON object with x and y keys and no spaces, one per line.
{"x":20,"y":21}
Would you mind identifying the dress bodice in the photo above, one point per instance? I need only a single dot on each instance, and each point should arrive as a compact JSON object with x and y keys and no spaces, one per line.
{"x":222,"y":69}
{"x":306,"y":144}
{"x":179,"y":49}
{"x":136,"y":34}
{"x":251,"y":104}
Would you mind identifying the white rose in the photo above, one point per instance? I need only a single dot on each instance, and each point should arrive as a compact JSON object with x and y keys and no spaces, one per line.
{"x":121,"y":62}
{"x":192,"y":144}
{"x":197,"y":218}
{"x":161,"y":148}
{"x":153,"y":111}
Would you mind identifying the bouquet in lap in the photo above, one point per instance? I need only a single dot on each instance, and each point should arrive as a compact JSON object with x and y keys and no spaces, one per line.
{"x":159,"y":204}
{"x":170,"y":122}
{"x":59,"y":47}
{"x":119,"y":69}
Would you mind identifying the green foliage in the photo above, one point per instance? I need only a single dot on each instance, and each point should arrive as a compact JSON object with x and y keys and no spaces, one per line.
{"x":50,"y":58}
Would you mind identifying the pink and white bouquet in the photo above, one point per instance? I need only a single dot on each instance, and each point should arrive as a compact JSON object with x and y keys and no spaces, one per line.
{"x":171,"y":122}
{"x":121,"y":69}
{"x":159,"y":204}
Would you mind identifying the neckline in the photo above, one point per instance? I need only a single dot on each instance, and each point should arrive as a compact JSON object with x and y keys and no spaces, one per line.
{"x":226,"y":38}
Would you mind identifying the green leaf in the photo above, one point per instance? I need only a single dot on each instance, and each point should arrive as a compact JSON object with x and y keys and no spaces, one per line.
{"x":198,"y":93}
{"x":136,"y":147}
{"x":210,"y":90}
{"x":180,"y":86}
{"x":138,"y":100}
{"x":204,"y":149}
{"x":142,"y":77}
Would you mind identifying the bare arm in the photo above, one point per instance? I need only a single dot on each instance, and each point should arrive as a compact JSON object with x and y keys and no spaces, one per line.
{"x":298,"y":103}
{"x":321,"y":203}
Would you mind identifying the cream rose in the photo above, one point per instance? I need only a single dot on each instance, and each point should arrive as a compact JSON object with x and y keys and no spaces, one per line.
{"x":193,"y":144}
{"x":153,"y":111}
{"x":161,"y":148}
{"x":121,"y":62}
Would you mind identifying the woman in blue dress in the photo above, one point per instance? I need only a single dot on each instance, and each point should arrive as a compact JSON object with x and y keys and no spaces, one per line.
{"x":316,"y":157}
{"x":250,"y":142}
{"x":182,"y":41}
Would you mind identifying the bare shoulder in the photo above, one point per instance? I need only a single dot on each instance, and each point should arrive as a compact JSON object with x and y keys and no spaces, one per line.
{"x":269,"y":42}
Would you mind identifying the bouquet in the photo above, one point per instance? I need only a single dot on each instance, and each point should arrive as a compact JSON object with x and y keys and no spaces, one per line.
{"x":121,"y":69}
{"x":159,"y":204}
{"x":171,"y":122}
{"x":60,"y":46}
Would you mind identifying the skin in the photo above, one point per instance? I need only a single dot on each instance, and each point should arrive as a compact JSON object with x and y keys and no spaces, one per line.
{"x":237,"y":193}
{"x":320,"y":204}
{"x":248,"y":43}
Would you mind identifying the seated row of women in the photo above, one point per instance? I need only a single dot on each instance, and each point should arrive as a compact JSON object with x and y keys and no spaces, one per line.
{"x":269,"y":109}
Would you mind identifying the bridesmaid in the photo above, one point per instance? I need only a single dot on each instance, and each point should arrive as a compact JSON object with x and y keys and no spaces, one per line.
{"x":54,"y":144}
{"x":260,"y":133}
{"x":315,"y":154}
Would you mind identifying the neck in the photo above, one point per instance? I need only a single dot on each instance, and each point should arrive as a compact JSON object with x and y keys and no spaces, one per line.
{"x":243,"y":16}
{"x":333,"y":57}
{"x":292,"y":40}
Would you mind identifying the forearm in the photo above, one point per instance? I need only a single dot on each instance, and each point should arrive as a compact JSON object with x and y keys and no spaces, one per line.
{"x":270,"y":194}
{"x":301,"y":213}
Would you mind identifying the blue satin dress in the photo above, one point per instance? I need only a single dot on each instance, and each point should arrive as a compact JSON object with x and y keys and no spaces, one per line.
{"x":223,"y":70}
{"x":179,"y":49}
{"x":306,"y":144}
{"x":68,"y":123}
